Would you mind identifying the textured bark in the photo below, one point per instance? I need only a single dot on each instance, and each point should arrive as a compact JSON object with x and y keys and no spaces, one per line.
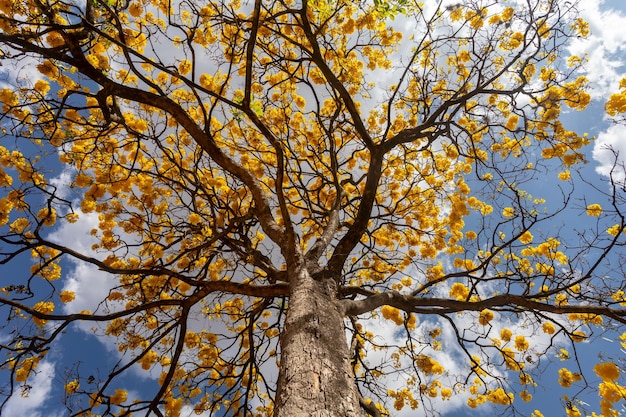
{"x":315,"y":377}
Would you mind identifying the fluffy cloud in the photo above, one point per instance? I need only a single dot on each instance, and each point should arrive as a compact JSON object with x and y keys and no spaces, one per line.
{"x":605,"y":47}
{"x":610,"y":150}
{"x":605,"y":50}
{"x":90,"y":284}
{"x":36,"y":403}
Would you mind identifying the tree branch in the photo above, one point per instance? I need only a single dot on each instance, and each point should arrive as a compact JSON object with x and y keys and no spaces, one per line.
{"x":444,"y":305}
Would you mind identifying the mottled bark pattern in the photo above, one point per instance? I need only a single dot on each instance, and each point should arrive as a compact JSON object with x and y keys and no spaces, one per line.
{"x":315,"y":376}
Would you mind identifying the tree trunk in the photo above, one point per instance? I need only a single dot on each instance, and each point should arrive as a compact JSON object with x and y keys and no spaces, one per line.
{"x":315,"y":379}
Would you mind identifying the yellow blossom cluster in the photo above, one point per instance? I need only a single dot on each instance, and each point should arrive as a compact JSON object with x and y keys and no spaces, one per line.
{"x":616,"y":229}
{"x":25,"y":368}
{"x":393,"y":314}
{"x":485,"y":317}
{"x":402,"y":397}
{"x":119,"y":396}
{"x":521,"y":344}
{"x":608,"y":371}
{"x":617,"y":102}
{"x":499,"y":396}
{"x":548,"y":328}
{"x":526,"y":396}
{"x":44,"y":307}
{"x":459,"y":291}
{"x":510,"y":359}
{"x":526,"y":237}
{"x":506,"y":334}
{"x":428,"y":365}
{"x":594,"y":210}
{"x":72,"y":386}
{"x":567,"y":378}
{"x":67,"y":296}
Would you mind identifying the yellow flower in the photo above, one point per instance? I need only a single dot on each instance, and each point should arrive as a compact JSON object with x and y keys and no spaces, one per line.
{"x":48,"y":215}
{"x":499,"y":396}
{"x":148,"y":359}
{"x":485,"y":317}
{"x":505,"y":334}
{"x":566,"y":377}
{"x":135,"y":9}
{"x":526,"y":237}
{"x":194,"y":218}
{"x":581,"y":27}
{"x":71,"y":217}
{"x":406,"y":281}
{"x":572,"y":412}
{"x":614,"y":230}
{"x":185,"y":67}
{"x":72,"y":386}
{"x":119,"y":397}
{"x":560,"y":300}
{"x":495,"y":19}
{"x":45,"y":307}
{"x":19,"y":225}
{"x":512,"y":122}
{"x":563,"y":355}
{"x":428,"y":365}
{"x":8,"y":97}
{"x":616,"y":104}
{"x":173,"y":406}
{"x":526,"y":379}
{"x":42,"y":86}
{"x":594,"y":210}
{"x":459,"y":291}
{"x":507,"y":13}
{"x":67,"y":296}
{"x":192,"y":339}
{"x":82,"y":180}
{"x":456,"y":14}
{"x":393,"y":314}
{"x":521,"y":343}
{"x":508,"y":212}
{"x":27,"y":366}
{"x":299,"y":101}
{"x":548,"y":328}
{"x":608,"y":371}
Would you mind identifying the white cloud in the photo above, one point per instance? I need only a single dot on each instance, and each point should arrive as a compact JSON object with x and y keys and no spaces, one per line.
{"x":450,"y":358}
{"x":454,"y":359}
{"x":606,"y":51}
{"x":605,"y":47}
{"x":37,"y":403}
{"x":20,"y":71}
{"x":609,"y":149}
{"x":77,"y":235}
{"x":90,"y":284}
{"x":62,"y":181}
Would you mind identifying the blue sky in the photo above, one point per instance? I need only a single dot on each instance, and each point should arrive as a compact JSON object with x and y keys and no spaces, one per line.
{"x":81,"y":350}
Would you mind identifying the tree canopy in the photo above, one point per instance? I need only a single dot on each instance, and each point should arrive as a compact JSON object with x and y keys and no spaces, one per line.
{"x":282,"y":180}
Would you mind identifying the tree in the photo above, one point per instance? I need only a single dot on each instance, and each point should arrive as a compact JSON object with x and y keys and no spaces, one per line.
{"x":271,"y":177}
